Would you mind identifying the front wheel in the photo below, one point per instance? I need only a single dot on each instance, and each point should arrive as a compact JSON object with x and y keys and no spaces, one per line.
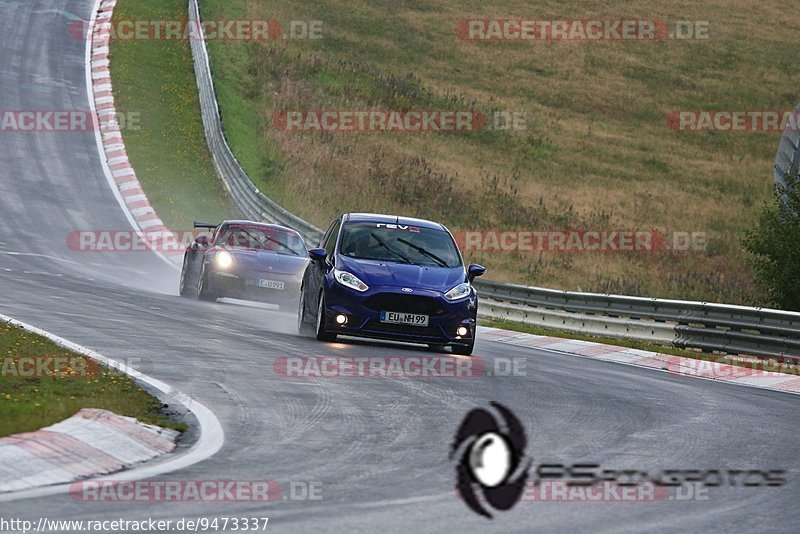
{"x":203,"y":293}
{"x":322,"y":333}
{"x":303,"y":328}
{"x":185,"y":288}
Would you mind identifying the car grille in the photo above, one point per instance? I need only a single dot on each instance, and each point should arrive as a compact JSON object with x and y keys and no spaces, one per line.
{"x":423,"y":331}
{"x":398,"y":302}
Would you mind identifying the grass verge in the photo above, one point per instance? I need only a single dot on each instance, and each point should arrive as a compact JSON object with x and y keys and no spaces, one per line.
{"x":31,"y":402}
{"x":597,"y":154}
{"x":763,"y":365}
{"x":154,"y":80}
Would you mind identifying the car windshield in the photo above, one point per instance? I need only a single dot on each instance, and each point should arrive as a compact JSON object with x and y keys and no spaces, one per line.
{"x":258,"y":237}
{"x":399,"y":243}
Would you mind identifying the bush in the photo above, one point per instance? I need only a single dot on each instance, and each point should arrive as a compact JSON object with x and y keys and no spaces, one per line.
{"x":774,"y":246}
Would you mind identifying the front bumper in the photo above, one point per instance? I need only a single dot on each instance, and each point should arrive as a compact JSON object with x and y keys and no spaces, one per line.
{"x":244,"y":286}
{"x":363,"y":312}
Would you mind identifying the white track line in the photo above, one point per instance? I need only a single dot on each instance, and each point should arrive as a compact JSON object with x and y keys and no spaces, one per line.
{"x":676,"y":365}
{"x":101,"y":144}
{"x":212,"y":436}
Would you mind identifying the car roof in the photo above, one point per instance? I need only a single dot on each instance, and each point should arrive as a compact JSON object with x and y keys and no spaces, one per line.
{"x":257,"y":223}
{"x":391,"y":219}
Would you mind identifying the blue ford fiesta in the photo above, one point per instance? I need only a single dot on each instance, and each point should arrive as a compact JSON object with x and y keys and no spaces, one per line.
{"x":388,"y":277}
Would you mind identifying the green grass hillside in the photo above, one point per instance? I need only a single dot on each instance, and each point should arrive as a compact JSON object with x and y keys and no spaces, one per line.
{"x":597,"y":152}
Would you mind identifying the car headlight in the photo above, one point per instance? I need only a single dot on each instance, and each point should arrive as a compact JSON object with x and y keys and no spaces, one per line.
{"x":224,"y":259}
{"x":349,"y":280}
{"x":459,"y":292}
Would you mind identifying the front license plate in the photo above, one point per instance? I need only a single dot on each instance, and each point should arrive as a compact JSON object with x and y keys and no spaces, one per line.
{"x":270,"y":284}
{"x":414,"y":319}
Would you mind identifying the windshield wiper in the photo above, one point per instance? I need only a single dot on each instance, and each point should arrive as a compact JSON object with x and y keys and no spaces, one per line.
{"x":253,"y":238}
{"x":268,"y":238}
{"x":382,"y":243}
{"x":287,"y":247}
{"x":424,"y":251}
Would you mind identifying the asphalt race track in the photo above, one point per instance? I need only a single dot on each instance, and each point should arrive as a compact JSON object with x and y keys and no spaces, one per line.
{"x":378,"y":446}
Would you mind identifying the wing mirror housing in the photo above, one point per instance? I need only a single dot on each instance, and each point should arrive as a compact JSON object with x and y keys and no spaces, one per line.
{"x":474,"y":271}
{"x":318,"y":255}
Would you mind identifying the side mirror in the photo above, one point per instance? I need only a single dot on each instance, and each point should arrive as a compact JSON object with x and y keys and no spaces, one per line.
{"x":202,"y":241}
{"x":474,"y":271}
{"x":318,"y":255}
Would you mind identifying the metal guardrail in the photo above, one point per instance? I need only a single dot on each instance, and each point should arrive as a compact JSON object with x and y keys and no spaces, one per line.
{"x":702,"y":325}
{"x":253,"y":203}
{"x":710,"y":327}
{"x":787,"y":160}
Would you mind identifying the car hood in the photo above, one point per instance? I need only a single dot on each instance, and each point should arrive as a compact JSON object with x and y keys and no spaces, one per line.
{"x":381,"y":273}
{"x":262,"y":260}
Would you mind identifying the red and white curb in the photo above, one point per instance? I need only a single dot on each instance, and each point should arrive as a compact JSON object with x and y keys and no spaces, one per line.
{"x":121,"y":177}
{"x":118,"y":168}
{"x":211,"y":438}
{"x":688,"y":367}
{"x":92,"y":442}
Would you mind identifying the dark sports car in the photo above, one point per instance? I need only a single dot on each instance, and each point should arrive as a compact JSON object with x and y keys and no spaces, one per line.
{"x":245,"y":260}
{"x":390,"y":277}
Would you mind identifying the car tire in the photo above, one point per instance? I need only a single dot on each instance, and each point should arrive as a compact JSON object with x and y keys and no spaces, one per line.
{"x":202,"y":287}
{"x":322,"y":333}
{"x":185,"y":286}
{"x":303,"y":326}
